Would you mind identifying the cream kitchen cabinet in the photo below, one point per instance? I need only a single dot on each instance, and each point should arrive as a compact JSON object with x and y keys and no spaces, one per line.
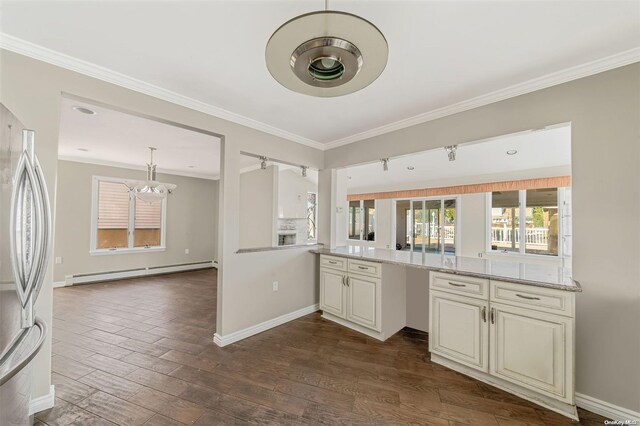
{"x":366,"y":296}
{"x":517,"y":337}
{"x":459,"y":329}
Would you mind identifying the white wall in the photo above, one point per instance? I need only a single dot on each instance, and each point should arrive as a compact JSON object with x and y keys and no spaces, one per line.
{"x":258,"y":202}
{"x":191,"y":222}
{"x":32,"y":90}
{"x":603,"y":110}
{"x":292,"y":193}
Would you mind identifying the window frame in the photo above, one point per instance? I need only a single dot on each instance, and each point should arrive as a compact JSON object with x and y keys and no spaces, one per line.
{"x":522,"y":206}
{"x":442,"y":199}
{"x":95,"y":181}
{"x":363,"y":241}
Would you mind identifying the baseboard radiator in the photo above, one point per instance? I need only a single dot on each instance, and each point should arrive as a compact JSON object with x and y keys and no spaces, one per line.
{"x":132,"y":273}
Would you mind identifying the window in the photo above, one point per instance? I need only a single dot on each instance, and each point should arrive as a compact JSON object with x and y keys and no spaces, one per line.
{"x":312,"y":207}
{"x":525,"y":221}
{"x":121,"y":223}
{"x":428,"y":225}
{"x":362,"y":220}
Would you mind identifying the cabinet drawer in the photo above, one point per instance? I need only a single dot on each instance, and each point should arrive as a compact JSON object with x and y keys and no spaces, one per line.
{"x":460,"y":284}
{"x":365,"y":268}
{"x":333,"y":262}
{"x":538,"y":298}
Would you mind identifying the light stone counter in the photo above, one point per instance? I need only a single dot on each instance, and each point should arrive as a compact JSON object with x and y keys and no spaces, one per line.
{"x":540,"y":275}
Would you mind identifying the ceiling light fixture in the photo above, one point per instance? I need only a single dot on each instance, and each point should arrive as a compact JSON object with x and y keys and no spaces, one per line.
{"x":451,"y":152}
{"x":263,"y":162}
{"x":83,"y":149}
{"x":84,"y":110}
{"x":410,"y":167}
{"x":326,"y":53}
{"x":385,"y":164}
{"x":150,"y":190}
{"x":304,"y":170}
{"x":512,"y":152}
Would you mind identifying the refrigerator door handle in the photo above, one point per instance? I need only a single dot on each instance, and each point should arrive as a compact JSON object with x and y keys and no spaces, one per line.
{"x":30,"y":223}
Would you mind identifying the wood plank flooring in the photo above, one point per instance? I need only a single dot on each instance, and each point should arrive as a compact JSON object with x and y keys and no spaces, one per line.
{"x":140,"y":352}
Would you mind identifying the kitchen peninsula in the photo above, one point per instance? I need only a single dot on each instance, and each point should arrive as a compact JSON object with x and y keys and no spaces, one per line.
{"x":506,"y":322}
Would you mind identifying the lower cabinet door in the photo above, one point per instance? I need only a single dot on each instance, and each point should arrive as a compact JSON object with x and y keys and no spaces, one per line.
{"x":363,"y":301}
{"x":533,"y":350}
{"x":459,"y":329}
{"x":333,"y":292}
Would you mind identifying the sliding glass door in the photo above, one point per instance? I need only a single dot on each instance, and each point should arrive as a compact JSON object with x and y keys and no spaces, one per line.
{"x":430,"y":224}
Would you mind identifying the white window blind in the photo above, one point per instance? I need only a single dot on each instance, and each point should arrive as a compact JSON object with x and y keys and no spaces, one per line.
{"x":148,"y":216}
{"x":113,"y":206}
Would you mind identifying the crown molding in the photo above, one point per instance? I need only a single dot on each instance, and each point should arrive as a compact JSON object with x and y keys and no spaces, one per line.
{"x":35,"y":51}
{"x":62,"y":60}
{"x":590,"y":68}
{"x":118,"y":165}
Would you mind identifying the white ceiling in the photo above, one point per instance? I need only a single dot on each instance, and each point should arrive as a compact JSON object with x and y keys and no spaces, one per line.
{"x":440,"y":52}
{"x":537,"y":152}
{"x":119,"y":139}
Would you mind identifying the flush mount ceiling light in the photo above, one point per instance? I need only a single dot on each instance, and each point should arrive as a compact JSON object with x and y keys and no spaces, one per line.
{"x":84,"y":110}
{"x":451,"y":152}
{"x":512,"y":152}
{"x":150,"y":190}
{"x":410,"y":167}
{"x":83,"y":149}
{"x":326,"y":53}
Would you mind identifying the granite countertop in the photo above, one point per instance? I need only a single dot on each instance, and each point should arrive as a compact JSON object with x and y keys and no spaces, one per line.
{"x":540,"y":275}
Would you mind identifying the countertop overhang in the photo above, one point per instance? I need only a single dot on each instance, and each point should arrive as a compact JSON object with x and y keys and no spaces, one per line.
{"x":534,"y":274}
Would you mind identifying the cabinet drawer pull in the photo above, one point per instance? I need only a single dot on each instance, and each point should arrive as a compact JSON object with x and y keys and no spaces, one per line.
{"x":522,"y":296}
{"x":492,"y":315}
{"x":343,"y":279}
{"x":456,"y":285}
{"x":347,"y":281}
{"x":484,"y":313}
{"x":333,"y":262}
{"x":362,"y":267}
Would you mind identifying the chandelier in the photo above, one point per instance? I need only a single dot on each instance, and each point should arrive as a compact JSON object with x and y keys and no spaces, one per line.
{"x":150,"y":190}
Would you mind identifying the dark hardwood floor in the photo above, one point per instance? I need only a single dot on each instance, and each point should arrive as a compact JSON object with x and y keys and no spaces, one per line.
{"x":140,"y":351}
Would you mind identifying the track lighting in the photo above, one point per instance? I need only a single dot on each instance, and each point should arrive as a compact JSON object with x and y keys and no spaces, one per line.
{"x":385,"y":164}
{"x":304,"y":170}
{"x":451,"y":152}
{"x":263,"y":162}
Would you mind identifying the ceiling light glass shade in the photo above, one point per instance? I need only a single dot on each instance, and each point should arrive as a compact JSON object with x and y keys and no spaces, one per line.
{"x":326,"y":53}
{"x":150,"y":190}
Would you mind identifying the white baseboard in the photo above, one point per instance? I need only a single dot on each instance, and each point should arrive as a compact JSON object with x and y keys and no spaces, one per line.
{"x":43,"y":402}
{"x":133,"y":273}
{"x":605,"y":409}
{"x":263,"y":326}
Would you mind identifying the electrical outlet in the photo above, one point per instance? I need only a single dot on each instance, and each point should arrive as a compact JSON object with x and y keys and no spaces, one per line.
{"x":186,"y":251}
{"x":58,"y":260}
{"x":275,"y":286}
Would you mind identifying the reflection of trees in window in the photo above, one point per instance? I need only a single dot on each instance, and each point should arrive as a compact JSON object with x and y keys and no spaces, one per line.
{"x":311,"y":214}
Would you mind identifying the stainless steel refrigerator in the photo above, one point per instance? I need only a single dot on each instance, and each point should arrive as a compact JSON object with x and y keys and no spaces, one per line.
{"x":25,"y":240}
